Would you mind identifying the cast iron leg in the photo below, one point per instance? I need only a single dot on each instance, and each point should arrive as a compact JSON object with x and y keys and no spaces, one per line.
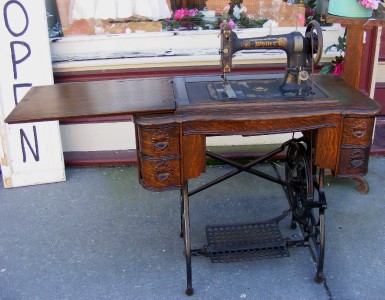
{"x":181,"y":214}
{"x":320,"y":276}
{"x":186,"y":235}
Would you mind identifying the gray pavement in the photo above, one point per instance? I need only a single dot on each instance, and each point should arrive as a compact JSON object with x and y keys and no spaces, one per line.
{"x":100,"y":235}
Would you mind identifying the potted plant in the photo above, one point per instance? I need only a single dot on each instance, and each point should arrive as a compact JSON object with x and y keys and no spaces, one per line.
{"x":354,"y":8}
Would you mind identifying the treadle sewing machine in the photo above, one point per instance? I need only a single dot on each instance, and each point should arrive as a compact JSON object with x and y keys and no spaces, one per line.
{"x":173,"y":117}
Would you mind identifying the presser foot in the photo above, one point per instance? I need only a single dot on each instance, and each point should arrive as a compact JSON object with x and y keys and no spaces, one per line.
{"x":229,"y":90}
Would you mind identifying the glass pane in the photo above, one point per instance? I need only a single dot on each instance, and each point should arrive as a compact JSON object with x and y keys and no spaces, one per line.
{"x":90,"y":17}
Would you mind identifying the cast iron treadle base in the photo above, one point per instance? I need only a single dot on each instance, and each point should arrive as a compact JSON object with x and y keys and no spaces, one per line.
{"x":243,"y":242}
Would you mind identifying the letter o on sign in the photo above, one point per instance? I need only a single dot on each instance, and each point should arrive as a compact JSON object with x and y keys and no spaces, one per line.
{"x":12,"y":29}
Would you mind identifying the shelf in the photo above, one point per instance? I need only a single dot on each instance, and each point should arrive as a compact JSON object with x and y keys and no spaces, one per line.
{"x":361,"y":22}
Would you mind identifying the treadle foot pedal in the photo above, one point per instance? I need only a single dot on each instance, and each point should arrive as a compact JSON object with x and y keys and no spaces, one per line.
{"x":246,"y":241}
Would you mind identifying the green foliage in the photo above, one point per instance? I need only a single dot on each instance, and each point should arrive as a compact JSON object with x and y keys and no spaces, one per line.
{"x":245,"y":22}
{"x":340,"y":46}
{"x":186,"y":22}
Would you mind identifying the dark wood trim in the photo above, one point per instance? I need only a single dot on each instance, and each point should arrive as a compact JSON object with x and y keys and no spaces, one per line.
{"x":97,"y":120}
{"x":100,"y":158}
{"x":367,"y":62}
{"x":83,"y":76}
{"x":129,"y":157}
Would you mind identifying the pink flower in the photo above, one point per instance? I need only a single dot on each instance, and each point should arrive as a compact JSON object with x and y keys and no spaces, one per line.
{"x":301,"y":19}
{"x":230,"y":23}
{"x":372,"y":4}
{"x":180,"y":13}
{"x":193,"y":12}
{"x":339,"y":68}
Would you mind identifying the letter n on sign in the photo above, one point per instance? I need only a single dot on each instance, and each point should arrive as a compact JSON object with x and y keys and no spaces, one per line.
{"x":30,"y":153}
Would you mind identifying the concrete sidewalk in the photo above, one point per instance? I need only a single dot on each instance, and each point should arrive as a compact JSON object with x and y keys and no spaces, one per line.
{"x":100,"y":235}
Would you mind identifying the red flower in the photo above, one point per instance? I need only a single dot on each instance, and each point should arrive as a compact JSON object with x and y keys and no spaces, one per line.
{"x":338,"y":68}
{"x":181,"y":13}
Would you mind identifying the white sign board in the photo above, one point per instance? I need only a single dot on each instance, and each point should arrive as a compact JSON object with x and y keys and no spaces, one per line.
{"x":30,"y":153}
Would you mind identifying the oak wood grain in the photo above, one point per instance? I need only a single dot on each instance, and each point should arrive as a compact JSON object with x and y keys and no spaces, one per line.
{"x":94,"y":99}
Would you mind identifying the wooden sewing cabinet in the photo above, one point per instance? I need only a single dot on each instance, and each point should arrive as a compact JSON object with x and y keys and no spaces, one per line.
{"x":173,"y":117}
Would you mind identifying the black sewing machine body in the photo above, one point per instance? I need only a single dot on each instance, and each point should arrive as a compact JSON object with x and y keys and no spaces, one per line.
{"x":298,"y":48}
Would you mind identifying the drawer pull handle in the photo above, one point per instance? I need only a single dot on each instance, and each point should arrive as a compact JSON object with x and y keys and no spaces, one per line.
{"x":359,"y":128}
{"x":357,"y":159}
{"x":359,"y":134}
{"x":161,"y":145}
{"x":356,"y":163}
{"x":161,"y":140}
{"x":162,"y":171}
{"x":163,"y":176}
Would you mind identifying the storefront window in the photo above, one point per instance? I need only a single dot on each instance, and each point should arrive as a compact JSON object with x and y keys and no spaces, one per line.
{"x":98,"y":17}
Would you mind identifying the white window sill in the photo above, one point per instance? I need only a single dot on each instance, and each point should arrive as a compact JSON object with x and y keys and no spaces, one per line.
{"x":164,"y":49}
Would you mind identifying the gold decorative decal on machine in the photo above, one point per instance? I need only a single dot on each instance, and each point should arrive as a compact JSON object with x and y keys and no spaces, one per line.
{"x":227,"y":33}
{"x":246,"y":44}
{"x":227,"y":68}
{"x":275,"y":43}
{"x":161,"y":140}
{"x":163,"y":171}
{"x":357,"y":159}
{"x":359,"y":127}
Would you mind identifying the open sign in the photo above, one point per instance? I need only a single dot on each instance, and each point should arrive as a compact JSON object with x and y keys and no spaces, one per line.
{"x":30,"y":153}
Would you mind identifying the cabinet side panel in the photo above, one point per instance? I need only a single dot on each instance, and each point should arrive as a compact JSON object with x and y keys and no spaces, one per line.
{"x":327,"y":148}
{"x":194,"y":156}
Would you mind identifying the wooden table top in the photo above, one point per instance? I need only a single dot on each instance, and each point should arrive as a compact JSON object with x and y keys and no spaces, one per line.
{"x":94,"y":99}
{"x":169,"y":95}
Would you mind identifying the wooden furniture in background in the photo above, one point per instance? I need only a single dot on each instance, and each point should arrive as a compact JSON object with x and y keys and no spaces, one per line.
{"x":354,"y":45}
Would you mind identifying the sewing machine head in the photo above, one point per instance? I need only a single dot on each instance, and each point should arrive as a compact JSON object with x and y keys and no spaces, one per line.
{"x":300,"y":51}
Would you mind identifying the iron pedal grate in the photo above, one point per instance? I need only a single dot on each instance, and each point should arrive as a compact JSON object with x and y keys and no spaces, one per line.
{"x":244,"y":242}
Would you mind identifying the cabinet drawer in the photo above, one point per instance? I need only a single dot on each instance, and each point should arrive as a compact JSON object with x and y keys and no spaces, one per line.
{"x":357,"y":131}
{"x":354,"y":160}
{"x":159,"y":141}
{"x":163,"y":173}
